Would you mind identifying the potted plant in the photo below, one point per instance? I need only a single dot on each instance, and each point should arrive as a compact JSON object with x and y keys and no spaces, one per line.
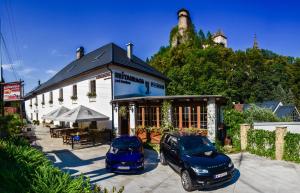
{"x":141,"y":132}
{"x":50,"y":102}
{"x":36,"y":104}
{"x":92,"y":94}
{"x":123,"y":111}
{"x":60,"y":99}
{"x":43,"y":103}
{"x":30,"y":105}
{"x":155,"y":135}
{"x":74,"y":98}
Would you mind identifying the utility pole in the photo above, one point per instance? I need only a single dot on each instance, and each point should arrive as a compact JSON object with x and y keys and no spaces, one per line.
{"x":1,"y":76}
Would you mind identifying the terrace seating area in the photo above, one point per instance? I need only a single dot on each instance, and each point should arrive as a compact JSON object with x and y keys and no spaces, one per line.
{"x":79,"y":137}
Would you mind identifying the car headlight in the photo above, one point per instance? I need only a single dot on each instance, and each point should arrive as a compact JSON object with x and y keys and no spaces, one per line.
{"x":113,"y":150}
{"x":199,"y":170}
{"x":230,"y":164}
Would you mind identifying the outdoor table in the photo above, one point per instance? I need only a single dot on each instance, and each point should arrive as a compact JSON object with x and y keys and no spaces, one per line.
{"x":65,"y":133}
{"x":79,"y":134}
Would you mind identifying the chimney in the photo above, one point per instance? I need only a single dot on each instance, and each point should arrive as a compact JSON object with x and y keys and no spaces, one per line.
{"x":129,"y":50}
{"x":39,"y":82}
{"x":79,"y":52}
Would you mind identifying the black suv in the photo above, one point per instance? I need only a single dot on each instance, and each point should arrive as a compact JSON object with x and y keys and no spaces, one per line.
{"x":195,"y":158}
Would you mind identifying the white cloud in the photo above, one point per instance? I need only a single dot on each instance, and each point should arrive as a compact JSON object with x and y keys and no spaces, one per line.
{"x":51,"y":72}
{"x":53,"y":52}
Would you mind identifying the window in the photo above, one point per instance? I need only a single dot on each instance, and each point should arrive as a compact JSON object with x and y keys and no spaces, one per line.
{"x":30,"y":104}
{"x":190,"y":115}
{"x":31,"y":116}
{"x":93,"y":86}
{"x":185,"y":117}
{"x":194,"y":116}
{"x":61,"y":93}
{"x":150,"y":115}
{"x":51,"y":97}
{"x":203,"y":116}
{"x":43,"y":99}
{"x":74,"y":90}
{"x":36,"y":101}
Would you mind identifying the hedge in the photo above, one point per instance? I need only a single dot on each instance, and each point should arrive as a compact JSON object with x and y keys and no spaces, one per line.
{"x":292,"y":147}
{"x":261,"y":142}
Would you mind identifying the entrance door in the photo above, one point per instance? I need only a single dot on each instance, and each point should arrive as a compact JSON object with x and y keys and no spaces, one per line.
{"x":125,"y":124}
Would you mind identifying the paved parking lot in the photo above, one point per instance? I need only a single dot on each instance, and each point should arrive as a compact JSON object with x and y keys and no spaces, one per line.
{"x":253,"y":174}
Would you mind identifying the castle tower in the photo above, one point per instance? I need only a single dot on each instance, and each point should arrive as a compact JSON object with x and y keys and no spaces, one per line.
{"x":184,"y":20}
{"x":255,"y":43}
{"x":220,"y":38}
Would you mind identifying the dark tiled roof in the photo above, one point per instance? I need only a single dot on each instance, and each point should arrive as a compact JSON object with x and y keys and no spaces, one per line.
{"x":285,"y":110}
{"x":266,"y":104}
{"x":107,"y":54}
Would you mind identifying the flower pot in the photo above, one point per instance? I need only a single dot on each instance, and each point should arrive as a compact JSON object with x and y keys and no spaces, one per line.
{"x":142,"y":135}
{"x":155,"y":137}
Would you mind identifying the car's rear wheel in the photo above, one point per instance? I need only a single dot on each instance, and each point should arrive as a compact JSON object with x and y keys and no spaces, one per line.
{"x":162,"y":158}
{"x":186,"y":181}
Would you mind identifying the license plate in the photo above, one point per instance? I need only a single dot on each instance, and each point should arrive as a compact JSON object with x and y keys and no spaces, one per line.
{"x":123,"y":167}
{"x":221,"y":175}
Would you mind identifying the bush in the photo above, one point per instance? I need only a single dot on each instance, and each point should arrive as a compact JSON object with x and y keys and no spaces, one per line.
{"x":10,"y":125}
{"x":232,"y":120}
{"x":292,"y":147}
{"x":261,"y":142}
{"x":25,"y":169}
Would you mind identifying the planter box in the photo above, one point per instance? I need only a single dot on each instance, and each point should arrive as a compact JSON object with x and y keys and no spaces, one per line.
{"x":155,"y":137}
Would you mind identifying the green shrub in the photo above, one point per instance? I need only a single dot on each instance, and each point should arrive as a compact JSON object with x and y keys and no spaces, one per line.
{"x":232,"y":120}
{"x":292,"y":147}
{"x":255,"y":113}
{"x":25,"y":169}
{"x":261,"y":142}
{"x":10,"y":125}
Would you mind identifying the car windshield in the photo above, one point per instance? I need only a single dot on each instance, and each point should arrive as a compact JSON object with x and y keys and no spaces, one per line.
{"x":126,"y":143}
{"x":195,"y":145}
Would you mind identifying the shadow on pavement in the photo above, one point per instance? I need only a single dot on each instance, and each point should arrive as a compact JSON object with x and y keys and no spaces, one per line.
{"x":234,"y":179}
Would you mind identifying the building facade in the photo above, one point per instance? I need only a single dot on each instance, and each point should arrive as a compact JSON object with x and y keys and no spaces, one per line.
{"x":110,"y":80}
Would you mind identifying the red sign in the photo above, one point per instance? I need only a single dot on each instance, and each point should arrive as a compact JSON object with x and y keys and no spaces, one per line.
{"x":12,"y":91}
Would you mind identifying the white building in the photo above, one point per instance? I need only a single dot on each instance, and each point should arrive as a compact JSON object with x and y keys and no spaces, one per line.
{"x":109,"y":77}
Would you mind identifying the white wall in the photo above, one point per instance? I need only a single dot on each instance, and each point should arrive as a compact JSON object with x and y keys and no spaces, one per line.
{"x":293,"y":127}
{"x":101,"y":103}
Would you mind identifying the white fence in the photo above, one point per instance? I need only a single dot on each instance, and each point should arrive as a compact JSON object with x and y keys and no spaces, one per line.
{"x":293,"y":127}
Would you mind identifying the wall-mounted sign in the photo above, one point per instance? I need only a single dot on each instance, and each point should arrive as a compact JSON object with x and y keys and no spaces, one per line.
{"x":124,"y":78}
{"x":157,"y":85}
{"x":12,"y":91}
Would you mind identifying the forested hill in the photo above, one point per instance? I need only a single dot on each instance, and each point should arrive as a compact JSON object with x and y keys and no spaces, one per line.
{"x":242,"y":76}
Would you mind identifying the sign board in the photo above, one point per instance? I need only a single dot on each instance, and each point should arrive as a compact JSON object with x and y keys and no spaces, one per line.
{"x":12,"y":91}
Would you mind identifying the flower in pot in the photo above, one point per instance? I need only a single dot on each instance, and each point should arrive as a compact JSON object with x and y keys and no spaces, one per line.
{"x":50,"y":101}
{"x":35,"y":104}
{"x":30,"y":105}
{"x":43,"y":103}
{"x":155,"y":135}
{"x":92,"y":94}
{"x":141,"y":132}
{"x":74,"y":98}
{"x":60,"y":99}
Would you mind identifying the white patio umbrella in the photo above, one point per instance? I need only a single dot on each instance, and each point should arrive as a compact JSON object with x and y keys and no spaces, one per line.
{"x":82,"y":114}
{"x":56,"y":113}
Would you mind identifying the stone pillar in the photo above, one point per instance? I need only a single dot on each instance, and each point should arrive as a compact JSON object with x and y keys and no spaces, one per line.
{"x":116,"y":121}
{"x":243,"y":132}
{"x":132,"y":112}
{"x":279,"y":142}
{"x":211,"y":119}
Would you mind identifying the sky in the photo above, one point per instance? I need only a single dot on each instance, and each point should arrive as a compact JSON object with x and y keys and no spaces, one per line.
{"x":41,"y":36}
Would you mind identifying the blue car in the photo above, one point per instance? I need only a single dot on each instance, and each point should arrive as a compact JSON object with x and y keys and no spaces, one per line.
{"x":125,"y":155}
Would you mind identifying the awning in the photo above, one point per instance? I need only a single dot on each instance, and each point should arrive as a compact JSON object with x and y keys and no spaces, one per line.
{"x":56,"y":113}
{"x":81,"y":114}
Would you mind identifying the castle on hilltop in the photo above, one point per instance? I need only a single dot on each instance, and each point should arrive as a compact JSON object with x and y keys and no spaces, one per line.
{"x":184,"y":24}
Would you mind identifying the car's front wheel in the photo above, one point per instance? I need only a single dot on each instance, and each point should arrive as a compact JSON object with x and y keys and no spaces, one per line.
{"x":162,"y":158}
{"x":186,"y":181}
